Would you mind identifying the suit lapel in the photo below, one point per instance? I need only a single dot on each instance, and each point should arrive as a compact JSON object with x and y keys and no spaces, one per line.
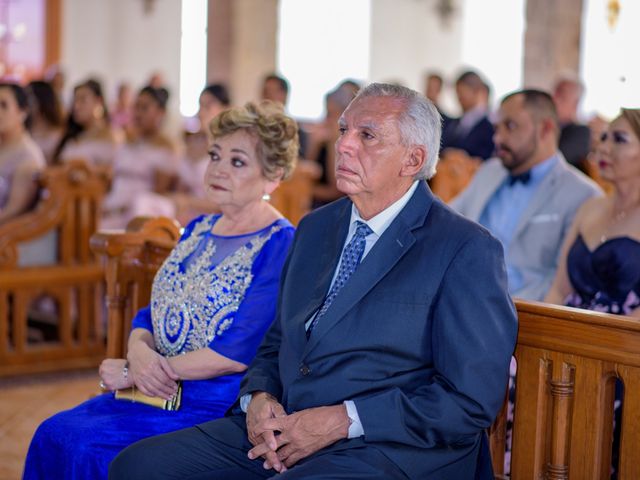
{"x":329,"y":252}
{"x":388,"y":250}
{"x":541,"y":197}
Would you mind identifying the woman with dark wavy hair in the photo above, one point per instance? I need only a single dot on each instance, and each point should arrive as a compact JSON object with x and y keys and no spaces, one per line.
{"x":88,"y":134}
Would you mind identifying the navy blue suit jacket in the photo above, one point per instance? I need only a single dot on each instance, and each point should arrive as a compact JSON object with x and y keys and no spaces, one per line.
{"x":420,"y":338}
{"x":478,"y":142}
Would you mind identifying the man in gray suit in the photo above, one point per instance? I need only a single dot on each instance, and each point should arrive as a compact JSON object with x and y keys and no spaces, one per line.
{"x":529,"y":195}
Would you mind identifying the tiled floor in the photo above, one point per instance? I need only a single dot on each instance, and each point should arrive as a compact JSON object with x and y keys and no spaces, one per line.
{"x":27,"y":401}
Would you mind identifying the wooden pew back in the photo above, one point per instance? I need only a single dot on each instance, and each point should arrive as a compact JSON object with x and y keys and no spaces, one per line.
{"x":132,"y":259}
{"x":293,"y":197}
{"x":568,"y":361}
{"x":71,"y":197}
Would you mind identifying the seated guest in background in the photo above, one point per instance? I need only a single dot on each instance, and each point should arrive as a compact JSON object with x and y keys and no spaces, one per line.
{"x":191,"y":197}
{"x":466,"y":141}
{"x":600,"y":262}
{"x":321,"y":148}
{"x":212,"y":301}
{"x":88,"y":134}
{"x":20,"y":156}
{"x":528,"y":196}
{"x":145,"y":164}
{"x":432,"y":90}
{"x":472,"y":132}
{"x":47,"y":123}
{"x":276,"y":89}
{"x":121,"y":112}
{"x":378,"y":368}
{"x":575,"y":138}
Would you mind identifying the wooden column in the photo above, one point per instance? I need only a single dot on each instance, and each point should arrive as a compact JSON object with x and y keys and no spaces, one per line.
{"x":219,"y":41}
{"x":53,"y":32}
{"x":552,"y":40}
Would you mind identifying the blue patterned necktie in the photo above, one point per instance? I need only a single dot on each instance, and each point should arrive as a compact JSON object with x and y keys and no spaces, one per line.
{"x":351,"y":257}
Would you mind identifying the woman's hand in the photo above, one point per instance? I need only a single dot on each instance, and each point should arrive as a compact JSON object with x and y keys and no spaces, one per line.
{"x":112,"y":374}
{"x":151,"y":372}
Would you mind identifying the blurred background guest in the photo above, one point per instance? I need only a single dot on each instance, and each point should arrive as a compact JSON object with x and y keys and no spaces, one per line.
{"x":145,"y":164}
{"x":276,"y":89}
{"x":321,"y":146}
{"x":121,"y":112}
{"x":575,"y":137}
{"x":432,"y":90}
{"x":88,"y":134}
{"x":472,"y":132}
{"x":191,"y":197}
{"x":20,"y":156}
{"x":47,"y":120}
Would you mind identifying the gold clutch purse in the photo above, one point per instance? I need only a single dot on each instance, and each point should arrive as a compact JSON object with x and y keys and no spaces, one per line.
{"x":134,"y":395}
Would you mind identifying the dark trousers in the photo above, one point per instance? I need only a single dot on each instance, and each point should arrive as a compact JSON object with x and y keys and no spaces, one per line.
{"x":218,"y":450}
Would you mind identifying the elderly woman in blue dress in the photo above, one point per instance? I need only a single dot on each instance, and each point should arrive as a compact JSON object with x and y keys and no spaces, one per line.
{"x":211,"y":303}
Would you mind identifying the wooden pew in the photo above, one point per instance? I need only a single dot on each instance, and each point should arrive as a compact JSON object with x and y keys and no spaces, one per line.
{"x":568,"y":361}
{"x":71,"y":197}
{"x":293,"y":197}
{"x":132,"y":258}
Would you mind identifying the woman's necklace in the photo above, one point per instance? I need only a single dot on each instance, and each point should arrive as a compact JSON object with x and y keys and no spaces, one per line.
{"x":617,"y":216}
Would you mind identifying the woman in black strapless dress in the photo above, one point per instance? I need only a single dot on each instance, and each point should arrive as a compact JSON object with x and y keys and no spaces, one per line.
{"x":599,"y":267}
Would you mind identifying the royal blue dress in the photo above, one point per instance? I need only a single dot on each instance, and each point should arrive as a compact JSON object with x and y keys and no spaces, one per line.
{"x":213,"y":291}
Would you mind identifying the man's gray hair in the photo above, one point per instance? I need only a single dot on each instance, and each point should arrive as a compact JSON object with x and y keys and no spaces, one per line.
{"x":419,"y":124}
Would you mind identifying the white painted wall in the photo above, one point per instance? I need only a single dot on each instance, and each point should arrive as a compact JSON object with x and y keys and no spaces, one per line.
{"x":116,"y":40}
{"x":408,"y":39}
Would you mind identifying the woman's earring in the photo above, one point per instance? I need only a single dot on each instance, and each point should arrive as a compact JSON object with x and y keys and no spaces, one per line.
{"x":266,"y":197}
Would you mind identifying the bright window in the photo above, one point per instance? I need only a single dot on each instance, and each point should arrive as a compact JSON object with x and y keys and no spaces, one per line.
{"x":610,"y":69}
{"x":315,"y":56}
{"x":193,"y":55}
{"x":493,"y":46}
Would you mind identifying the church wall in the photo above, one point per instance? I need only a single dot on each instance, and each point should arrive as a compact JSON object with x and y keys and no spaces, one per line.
{"x":116,"y":40}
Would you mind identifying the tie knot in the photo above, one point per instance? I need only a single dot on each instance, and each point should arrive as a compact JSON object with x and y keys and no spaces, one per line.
{"x":522,"y":177}
{"x":362,"y":229}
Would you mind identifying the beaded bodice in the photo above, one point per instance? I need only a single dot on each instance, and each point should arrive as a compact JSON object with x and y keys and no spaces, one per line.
{"x":200,"y":287}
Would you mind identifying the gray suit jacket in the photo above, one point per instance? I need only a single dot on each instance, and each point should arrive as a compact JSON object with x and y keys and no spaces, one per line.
{"x":540,"y":232}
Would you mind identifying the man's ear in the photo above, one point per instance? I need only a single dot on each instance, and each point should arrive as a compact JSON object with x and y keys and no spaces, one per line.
{"x":548,"y":127}
{"x":414,"y":161}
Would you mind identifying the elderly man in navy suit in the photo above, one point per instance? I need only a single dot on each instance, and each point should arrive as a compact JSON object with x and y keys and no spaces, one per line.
{"x":389,"y":355}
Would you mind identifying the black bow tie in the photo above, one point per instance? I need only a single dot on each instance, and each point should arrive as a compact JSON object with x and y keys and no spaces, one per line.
{"x":523,"y":177}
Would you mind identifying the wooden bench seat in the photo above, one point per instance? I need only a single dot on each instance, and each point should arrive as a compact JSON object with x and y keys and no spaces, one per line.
{"x":67,"y":214}
{"x":568,"y":361}
{"x":132,"y":259}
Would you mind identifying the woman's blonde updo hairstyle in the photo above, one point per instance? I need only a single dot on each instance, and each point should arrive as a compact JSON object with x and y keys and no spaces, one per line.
{"x":277,"y":135}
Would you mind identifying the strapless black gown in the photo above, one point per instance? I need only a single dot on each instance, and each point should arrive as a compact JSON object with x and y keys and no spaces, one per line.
{"x":606,"y":279}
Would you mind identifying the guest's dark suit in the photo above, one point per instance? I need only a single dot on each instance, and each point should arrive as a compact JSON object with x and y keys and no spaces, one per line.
{"x":477,"y":142}
{"x":574,"y":143}
{"x":419,"y":338}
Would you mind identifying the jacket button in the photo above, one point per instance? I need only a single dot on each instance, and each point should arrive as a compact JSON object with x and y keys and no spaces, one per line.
{"x":304,"y":370}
